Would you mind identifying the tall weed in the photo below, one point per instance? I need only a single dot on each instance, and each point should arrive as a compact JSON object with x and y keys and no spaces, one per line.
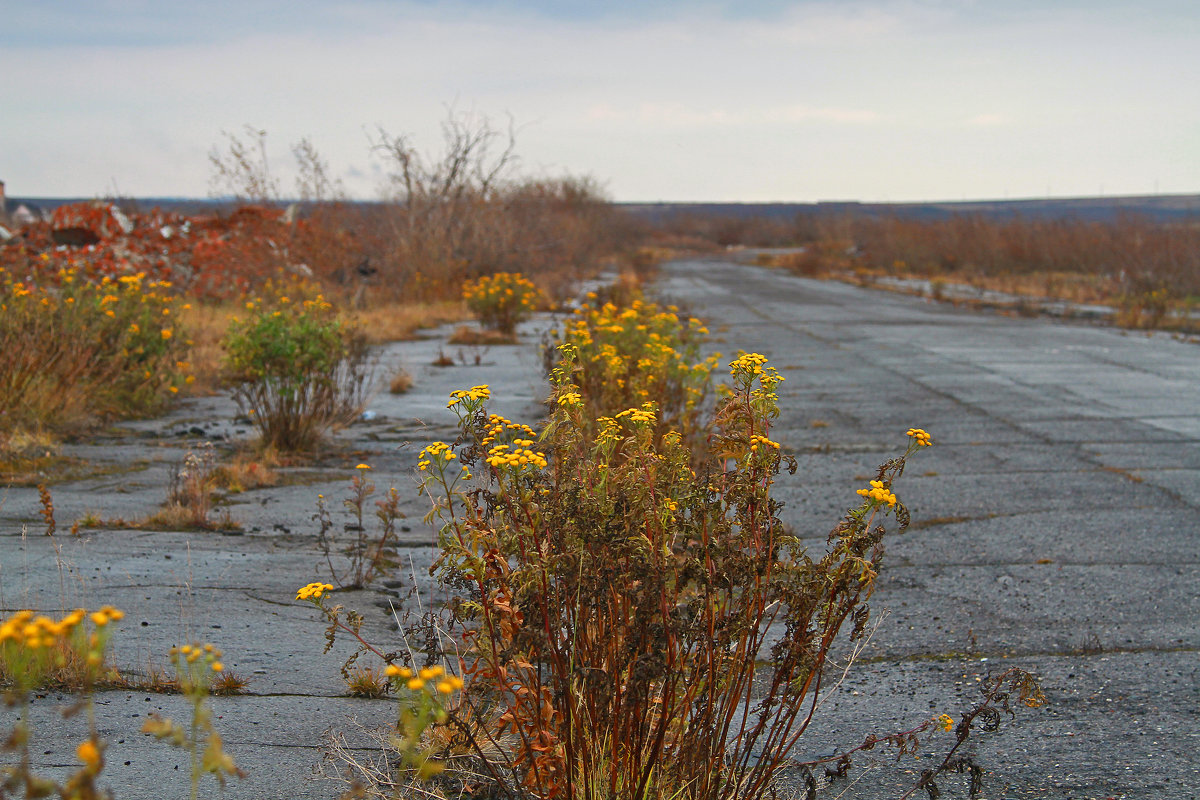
{"x":631,"y":626}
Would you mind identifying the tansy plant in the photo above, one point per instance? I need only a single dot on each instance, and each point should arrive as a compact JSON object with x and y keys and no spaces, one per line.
{"x":75,"y":350}
{"x":632,"y":616}
{"x":196,"y":665}
{"x":502,"y":301}
{"x":37,"y":651}
{"x":612,"y":358}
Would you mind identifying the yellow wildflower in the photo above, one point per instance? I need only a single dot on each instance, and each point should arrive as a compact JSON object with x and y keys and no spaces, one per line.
{"x":89,"y":754}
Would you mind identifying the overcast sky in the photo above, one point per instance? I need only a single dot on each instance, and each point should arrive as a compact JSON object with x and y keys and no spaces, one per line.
{"x":758,"y":100}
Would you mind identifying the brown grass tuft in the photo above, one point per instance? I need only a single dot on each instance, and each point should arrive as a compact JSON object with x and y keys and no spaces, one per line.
{"x":401,"y":382}
{"x":480,"y":338}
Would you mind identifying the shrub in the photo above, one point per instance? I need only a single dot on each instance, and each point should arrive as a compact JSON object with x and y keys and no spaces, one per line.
{"x":616,"y":606}
{"x":501,"y":301}
{"x":299,"y":370}
{"x":74,"y":351}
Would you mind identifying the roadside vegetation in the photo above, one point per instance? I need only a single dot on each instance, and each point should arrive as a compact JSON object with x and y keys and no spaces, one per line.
{"x":111,"y":312}
{"x":1148,"y":272}
{"x":613,"y":581}
{"x":628,"y":615}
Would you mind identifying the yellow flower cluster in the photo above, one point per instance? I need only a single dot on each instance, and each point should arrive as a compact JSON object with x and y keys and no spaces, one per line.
{"x":636,"y":354}
{"x":640,"y":416}
{"x":748,"y":362}
{"x":31,"y":644}
{"x":749,"y":366}
{"x":192,"y":653}
{"x":313,"y":591}
{"x":920,"y":437}
{"x":757,"y":441}
{"x":502,"y":285}
{"x":105,"y":615}
{"x":498,"y":425}
{"x":439,"y":451}
{"x":945,"y":722}
{"x":608,"y":430}
{"x":35,"y":632}
{"x":878,"y":493}
{"x":519,"y":456}
{"x":416,"y":681}
{"x":501,"y":300}
{"x":474,"y":393}
{"x":570,"y":399}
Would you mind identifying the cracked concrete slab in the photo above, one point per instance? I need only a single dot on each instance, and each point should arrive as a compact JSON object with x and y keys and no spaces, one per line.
{"x":1054,"y":529}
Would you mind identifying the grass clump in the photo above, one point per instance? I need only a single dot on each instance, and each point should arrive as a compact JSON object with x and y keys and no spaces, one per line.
{"x":299,"y":370}
{"x":401,"y":381}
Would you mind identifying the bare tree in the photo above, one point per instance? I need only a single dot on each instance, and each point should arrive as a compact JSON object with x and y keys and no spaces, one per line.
{"x":313,"y":183}
{"x":242,"y":169}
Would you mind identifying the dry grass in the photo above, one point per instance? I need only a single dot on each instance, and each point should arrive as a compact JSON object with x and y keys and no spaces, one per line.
{"x":228,"y":683}
{"x":179,"y":517}
{"x":395,"y":322}
{"x":477,"y":337}
{"x":366,"y":682}
{"x":247,"y":472}
{"x":206,"y":324}
{"x":401,"y":382}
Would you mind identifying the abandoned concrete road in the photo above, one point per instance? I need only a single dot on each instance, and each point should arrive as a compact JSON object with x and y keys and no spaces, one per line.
{"x":1055,"y":528}
{"x":1055,"y":521}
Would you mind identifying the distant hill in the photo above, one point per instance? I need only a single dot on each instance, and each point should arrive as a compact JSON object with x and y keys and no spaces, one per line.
{"x":1162,"y":208}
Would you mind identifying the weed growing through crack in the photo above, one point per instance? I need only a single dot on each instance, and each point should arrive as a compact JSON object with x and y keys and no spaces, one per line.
{"x":197,"y":667}
{"x":367,"y":554}
{"x":189,"y":492}
{"x":613,"y":603}
{"x":38,"y":652}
